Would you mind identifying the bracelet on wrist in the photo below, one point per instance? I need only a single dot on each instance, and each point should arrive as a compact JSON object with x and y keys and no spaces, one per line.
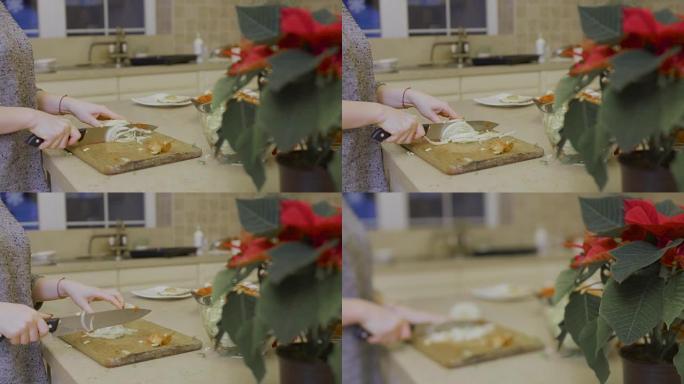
{"x":61,"y":101}
{"x":403,"y":98}
{"x":59,"y":284}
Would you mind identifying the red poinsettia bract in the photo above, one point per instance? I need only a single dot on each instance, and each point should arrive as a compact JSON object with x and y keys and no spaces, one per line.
{"x":595,"y":249}
{"x":252,"y":250}
{"x":594,"y":57}
{"x":643,"y":216}
{"x":252,"y":58}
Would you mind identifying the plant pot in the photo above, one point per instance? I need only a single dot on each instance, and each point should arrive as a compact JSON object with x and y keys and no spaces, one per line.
{"x":294,"y":369}
{"x":296,"y":175}
{"x":641,"y":175}
{"x":638,"y":370}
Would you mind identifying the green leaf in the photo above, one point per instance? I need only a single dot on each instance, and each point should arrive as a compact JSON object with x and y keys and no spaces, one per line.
{"x":589,"y":138}
{"x":632,"y":65}
{"x":259,"y":216}
{"x":666,"y":16}
{"x":603,"y":216}
{"x":678,"y":361}
{"x":603,"y":334}
{"x":634,"y":307}
{"x":335,"y":169}
{"x":581,"y":310}
{"x":289,"y":258}
{"x":335,"y":362}
{"x":225,"y":88}
{"x":669,"y":208}
{"x":325,"y":209}
{"x":289,"y":66}
{"x":602,"y":24}
{"x":677,"y":168}
{"x":673,"y":298}
{"x":224,"y":281}
{"x":259,"y":24}
{"x":588,"y":343}
{"x":324,"y":16}
{"x":329,"y":104}
{"x":635,"y":255}
{"x":329,"y":293}
{"x":564,"y":284}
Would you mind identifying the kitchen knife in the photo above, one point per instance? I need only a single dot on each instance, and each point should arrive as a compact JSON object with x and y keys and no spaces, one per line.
{"x":94,"y":135}
{"x":421,"y":329}
{"x":434,"y":131}
{"x":72,"y":324}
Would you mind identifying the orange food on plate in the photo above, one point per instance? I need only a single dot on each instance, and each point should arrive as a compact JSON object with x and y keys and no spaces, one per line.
{"x":205,"y":99}
{"x":204,"y":291}
{"x":547,"y":99}
{"x":546,"y":292}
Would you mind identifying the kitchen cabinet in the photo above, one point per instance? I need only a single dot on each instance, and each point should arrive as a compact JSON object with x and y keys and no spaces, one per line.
{"x":179,"y":276}
{"x":95,"y":90}
{"x":102,"y":279}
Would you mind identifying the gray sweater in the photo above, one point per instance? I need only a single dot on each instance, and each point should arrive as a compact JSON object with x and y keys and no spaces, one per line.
{"x":21,"y":166}
{"x":18,"y":364}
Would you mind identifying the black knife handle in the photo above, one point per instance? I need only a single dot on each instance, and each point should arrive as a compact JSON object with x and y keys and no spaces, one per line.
{"x":380,"y":135}
{"x":51,"y":323}
{"x":360,"y":332}
{"x":36,"y":141}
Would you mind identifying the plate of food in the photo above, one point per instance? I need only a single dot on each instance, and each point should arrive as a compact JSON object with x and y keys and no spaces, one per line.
{"x":502,"y":292}
{"x":163,"y":292}
{"x":163,"y":100}
{"x":506,"y":100}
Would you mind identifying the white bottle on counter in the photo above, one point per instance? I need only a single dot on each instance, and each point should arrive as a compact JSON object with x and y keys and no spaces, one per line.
{"x":541,"y":48}
{"x":541,"y":241}
{"x":198,"y":47}
{"x":199,"y":240}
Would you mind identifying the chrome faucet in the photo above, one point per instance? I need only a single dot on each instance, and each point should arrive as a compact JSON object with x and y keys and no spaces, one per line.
{"x":460,"y":49}
{"x":118,"y":48}
{"x":118,"y":241}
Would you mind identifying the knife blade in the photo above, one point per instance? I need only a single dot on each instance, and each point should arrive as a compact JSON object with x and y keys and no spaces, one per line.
{"x":94,"y":135}
{"x":72,"y":324}
{"x":434,"y":131}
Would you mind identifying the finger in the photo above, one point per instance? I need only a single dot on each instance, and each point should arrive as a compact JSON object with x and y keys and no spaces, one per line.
{"x":106,"y":112}
{"x":74,"y":136}
{"x":16,"y":340}
{"x":110,"y":299}
{"x":420,"y":132}
{"x":374,"y":340}
{"x":84,"y":304}
{"x":63,"y":142}
{"x":34,"y":334}
{"x":25,"y":338}
{"x":43,"y":328}
{"x":450,"y":113}
{"x":405,"y":331}
{"x":432,"y":116}
{"x":90,"y":120}
{"x":120,"y":299}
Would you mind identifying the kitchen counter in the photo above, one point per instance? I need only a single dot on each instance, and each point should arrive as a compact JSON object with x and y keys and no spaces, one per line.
{"x":436,"y":286}
{"x":411,"y":174}
{"x":99,"y":72}
{"x":70,"y":174}
{"x":69,"y":366}
{"x":93,"y":265}
{"x":442,"y":72}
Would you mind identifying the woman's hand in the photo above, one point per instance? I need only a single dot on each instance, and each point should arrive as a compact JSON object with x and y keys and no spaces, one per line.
{"x":83,"y":295}
{"x":89,"y":113}
{"x":404,"y":127}
{"x":385,"y":326}
{"x":430,"y":107}
{"x":56,"y":131}
{"x":21,"y":324}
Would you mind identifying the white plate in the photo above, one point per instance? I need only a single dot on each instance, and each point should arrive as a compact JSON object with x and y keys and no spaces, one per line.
{"x":495,"y":101}
{"x":502,"y":292}
{"x":155,"y":294}
{"x":153,"y":101}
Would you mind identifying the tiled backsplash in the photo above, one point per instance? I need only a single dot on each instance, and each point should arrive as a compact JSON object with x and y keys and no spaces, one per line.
{"x":177,"y":218}
{"x":556,"y":20}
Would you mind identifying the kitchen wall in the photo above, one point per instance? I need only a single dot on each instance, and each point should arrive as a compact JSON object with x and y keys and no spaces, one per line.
{"x":178,"y":21}
{"x":177,"y":218}
{"x":556,"y":20}
{"x":521,"y":215}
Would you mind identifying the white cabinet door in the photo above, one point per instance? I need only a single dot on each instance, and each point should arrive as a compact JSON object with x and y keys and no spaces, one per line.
{"x":184,"y":276}
{"x":102,"y":279}
{"x":96,"y":90}
{"x":175,"y":83}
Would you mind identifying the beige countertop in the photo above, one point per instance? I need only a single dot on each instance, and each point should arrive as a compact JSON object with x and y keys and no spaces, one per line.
{"x":82,"y":73}
{"x":69,"y":174}
{"x":69,"y":366}
{"x":436,"y":286}
{"x":441,"y":72}
{"x":93,"y":265}
{"x":547,"y":174}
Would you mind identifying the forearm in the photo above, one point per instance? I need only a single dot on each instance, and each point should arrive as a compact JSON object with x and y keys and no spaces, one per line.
{"x":50,"y":103}
{"x":394,"y":97}
{"x":13,"y":119}
{"x":45,"y":289}
{"x":356,"y":114}
{"x":354,"y":311}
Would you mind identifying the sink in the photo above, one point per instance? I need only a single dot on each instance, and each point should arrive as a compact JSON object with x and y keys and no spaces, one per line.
{"x":163,"y":252}
{"x":162,"y":60}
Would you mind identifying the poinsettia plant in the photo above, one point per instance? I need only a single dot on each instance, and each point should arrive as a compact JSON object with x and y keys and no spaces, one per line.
{"x":299,"y":248}
{"x":641,"y":55}
{"x":627,"y":282}
{"x":297,"y":56}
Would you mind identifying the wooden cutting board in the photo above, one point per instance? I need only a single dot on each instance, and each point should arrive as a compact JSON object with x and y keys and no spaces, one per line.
{"x":110,"y":353}
{"x":457,"y":158}
{"x":501,"y":342}
{"x":116,"y":158}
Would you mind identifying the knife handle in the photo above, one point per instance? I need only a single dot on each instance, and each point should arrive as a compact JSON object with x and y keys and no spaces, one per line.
{"x":360,"y":332}
{"x":380,"y":135}
{"x":51,"y":323}
{"x":36,"y":141}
